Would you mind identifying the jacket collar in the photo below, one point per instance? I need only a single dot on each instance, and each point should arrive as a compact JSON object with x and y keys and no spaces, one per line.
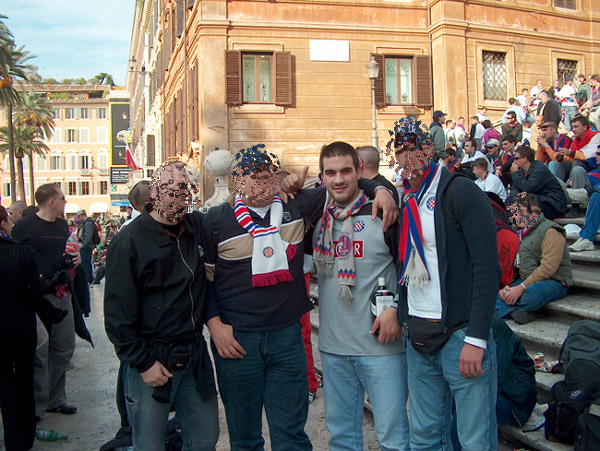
{"x":157,"y":231}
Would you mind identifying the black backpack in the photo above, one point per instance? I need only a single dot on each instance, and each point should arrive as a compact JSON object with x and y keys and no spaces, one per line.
{"x":580,"y":352}
{"x":568,"y":401}
{"x":587,"y":433}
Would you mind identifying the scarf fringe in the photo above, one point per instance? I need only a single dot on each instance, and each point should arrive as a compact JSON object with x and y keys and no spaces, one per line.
{"x":272,"y":278}
{"x":291,"y":251}
{"x":345,"y":293}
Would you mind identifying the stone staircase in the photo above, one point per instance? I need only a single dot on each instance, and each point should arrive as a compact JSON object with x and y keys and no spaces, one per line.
{"x":546,"y":335}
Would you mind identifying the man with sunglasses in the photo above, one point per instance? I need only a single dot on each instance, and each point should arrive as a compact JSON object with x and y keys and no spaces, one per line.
{"x":47,"y":233}
{"x":532,"y":176}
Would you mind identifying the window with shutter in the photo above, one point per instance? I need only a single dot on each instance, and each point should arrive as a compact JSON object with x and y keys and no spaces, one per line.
{"x":379,"y":82}
{"x":166,"y":48}
{"x":233,"y":77}
{"x":150,"y":151}
{"x":403,"y":80}
{"x":424,"y":82}
{"x":193,"y":103}
{"x":173,"y":31}
{"x":283,"y":78}
{"x":180,"y":13}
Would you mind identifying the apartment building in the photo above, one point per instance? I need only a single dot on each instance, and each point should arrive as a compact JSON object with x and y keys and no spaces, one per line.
{"x":79,"y":159}
{"x":291,"y":74}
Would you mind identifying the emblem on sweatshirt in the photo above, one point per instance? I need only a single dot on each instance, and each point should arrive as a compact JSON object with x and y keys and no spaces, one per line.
{"x":431,"y":203}
{"x":287,"y":216}
{"x":359,"y":226}
{"x":200,"y":251}
{"x":268,"y":251}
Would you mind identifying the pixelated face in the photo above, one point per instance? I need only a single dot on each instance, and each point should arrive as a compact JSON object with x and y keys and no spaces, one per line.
{"x":172,"y":192}
{"x":520,"y":216}
{"x":340,"y":177}
{"x":413,"y":161}
{"x":258,"y":188}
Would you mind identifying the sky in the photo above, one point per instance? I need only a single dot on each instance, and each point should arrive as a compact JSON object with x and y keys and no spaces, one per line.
{"x":73,"y":38}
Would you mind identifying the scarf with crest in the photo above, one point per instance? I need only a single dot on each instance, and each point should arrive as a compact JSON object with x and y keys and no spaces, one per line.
{"x":411,"y":253}
{"x":270,"y":254}
{"x":326,"y":251}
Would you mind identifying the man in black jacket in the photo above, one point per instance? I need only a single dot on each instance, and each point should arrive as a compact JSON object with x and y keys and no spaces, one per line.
{"x":549,"y":108}
{"x":154,"y":313}
{"x":86,"y":232}
{"x":438,"y":137}
{"x":448,"y":287}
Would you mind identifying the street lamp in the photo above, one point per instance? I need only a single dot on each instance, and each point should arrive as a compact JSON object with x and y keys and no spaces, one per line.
{"x":373,"y":71}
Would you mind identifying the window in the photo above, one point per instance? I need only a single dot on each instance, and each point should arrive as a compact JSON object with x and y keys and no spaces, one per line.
{"x":398,"y":81}
{"x":150,"y":151}
{"x":102,"y":161}
{"x":103,"y":187}
{"x":72,"y":135}
{"x":55,"y":162}
{"x":55,"y":136}
{"x":569,"y":4}
{"x":101,"y":113}
{"x":71,"y":162}
{"x":84,"y":162}
{"x":25,"y":161}
{"x":258,"y":77}
{"x":71,"y":188}
{"x":566,"y":70}
{"x":40,"y":163}
{"x":102,"y":133}
{"x":85,"y":189}
{"x":56,"y":113}
{"x":84,"y":113}
{"x":494,"y":75}
{"x":6,"y":189}
{"x":84,"y":135}
{"x":69,"y":113}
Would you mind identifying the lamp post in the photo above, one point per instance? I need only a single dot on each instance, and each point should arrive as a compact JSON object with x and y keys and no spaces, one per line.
{"x":373,"y":71}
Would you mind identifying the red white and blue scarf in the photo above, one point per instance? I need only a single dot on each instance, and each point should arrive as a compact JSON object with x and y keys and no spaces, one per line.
{"x":324,"y":254}
{"x":270,"y":254}
{"x":411,"y":253}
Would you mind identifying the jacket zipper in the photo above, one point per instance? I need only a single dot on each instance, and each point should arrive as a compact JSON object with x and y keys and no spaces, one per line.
{"x":190,"y":285}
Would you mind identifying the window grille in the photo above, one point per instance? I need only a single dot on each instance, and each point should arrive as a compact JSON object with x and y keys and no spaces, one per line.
{"x":494,"y":75}
{"x":566,"y":70}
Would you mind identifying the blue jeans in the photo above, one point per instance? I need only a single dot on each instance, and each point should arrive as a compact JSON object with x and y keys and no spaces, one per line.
{"x":592,"y":218}
{"x":273,"y":374}
{"x":570,"y":112}
{"x":86,"y":263}
{"x":534,"y":298}
{"x":384,"y":379}
{"x":434,"y":381}
{"x":148,"y":417}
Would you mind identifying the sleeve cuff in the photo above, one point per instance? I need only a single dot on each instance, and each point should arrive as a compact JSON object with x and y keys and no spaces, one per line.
{"x":146,"y":364}
{"x":479,"y":342}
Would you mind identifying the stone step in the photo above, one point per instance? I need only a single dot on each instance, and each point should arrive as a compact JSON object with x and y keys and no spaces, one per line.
{"x":532,"y":440}
{"x":565,"y":221}
{"x":585,"y":258}
{"x":587,"y":278}
{"x":543,"y":335}
{"x":574,"y":307}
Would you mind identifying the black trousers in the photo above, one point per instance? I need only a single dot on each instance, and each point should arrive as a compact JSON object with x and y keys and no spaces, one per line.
{"x":17,"y":350}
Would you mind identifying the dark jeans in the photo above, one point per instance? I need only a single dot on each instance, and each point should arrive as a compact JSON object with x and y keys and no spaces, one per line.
{"x":549,"y":211}
{"x":17,"y":403}
{"x":272,"y":374}
{"x":86,"y":263}
{"x":100,"y":272}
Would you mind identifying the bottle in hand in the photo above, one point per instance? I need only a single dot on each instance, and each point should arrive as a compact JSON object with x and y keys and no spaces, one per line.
{"x":381,"y":300}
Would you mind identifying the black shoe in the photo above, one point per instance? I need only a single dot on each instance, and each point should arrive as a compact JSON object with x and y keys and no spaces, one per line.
{"x":65,"y":409}
{"x":38,"y":419}
{"x":573,"y":212}
{"x":521,"y":317}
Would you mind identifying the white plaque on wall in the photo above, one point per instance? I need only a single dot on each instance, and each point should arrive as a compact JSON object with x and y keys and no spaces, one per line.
{"x":326,"y":50}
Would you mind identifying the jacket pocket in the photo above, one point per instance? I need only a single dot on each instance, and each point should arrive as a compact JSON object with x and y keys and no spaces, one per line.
{"x":153,"y":308}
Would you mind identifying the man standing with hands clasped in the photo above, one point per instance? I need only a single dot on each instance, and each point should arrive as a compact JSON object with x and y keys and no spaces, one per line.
{"x":448,"y":290}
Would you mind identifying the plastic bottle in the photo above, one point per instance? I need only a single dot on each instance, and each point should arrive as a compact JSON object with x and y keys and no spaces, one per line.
{"x":49,"y":435}
{"x":72,"y":247}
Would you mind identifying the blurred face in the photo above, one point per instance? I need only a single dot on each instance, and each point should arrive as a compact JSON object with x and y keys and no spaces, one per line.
{"x":413,"y":161}
{"x":341,"y":178}
{"x":520,"y":161}
{"x":461,"y":120}
{"x":57,"y":203}
{"x":258,"y":188}
{"x":556,"y":84}
{"x":526,"y":92}
{"x":479,"y":172}
{"x":171,"y":195}
{"x":13,"y":215}
{"x":469,"y":148}
{"x":548,"y":132}
{"x":508,"y":146}
{"x":511,"y":119}
{"x":5,"y":226}
{"x":578,"y":128}
{"x":493,"y":150}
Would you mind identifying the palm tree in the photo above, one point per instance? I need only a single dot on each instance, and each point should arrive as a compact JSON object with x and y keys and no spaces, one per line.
{"x":103,"y":79}
{"x":34,"y":111}
{"x":13,"y":66}
{"x":26,"y":141}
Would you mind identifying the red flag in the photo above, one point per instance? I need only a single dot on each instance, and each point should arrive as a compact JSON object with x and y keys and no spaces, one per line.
{"x":129,"y":160}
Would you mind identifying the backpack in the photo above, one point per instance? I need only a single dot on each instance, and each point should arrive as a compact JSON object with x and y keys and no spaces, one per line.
{"x":568,"y":402}
{"x":95,"y":235}
{"x":580,"y":352}
{"x":587,"y":433}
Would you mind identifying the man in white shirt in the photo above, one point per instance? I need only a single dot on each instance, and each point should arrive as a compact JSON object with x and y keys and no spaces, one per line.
{"x":486,"y":180}
{"x":471,"y":155}
{"x":567,"y":96}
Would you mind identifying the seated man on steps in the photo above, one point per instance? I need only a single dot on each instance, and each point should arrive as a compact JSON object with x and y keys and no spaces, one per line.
{"x":544,"y":262}
{"x":592,"y":220}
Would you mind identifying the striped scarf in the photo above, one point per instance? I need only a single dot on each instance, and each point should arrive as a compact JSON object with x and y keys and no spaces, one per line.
{"x":326,"y":251}
{"x":270,"y":254}
{"x":411,"y":253}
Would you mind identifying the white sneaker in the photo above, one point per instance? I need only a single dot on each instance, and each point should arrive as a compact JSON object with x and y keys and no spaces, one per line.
{"x":582,"y":244}
{"x":579,"y":196}
{"x":537,"y":419}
